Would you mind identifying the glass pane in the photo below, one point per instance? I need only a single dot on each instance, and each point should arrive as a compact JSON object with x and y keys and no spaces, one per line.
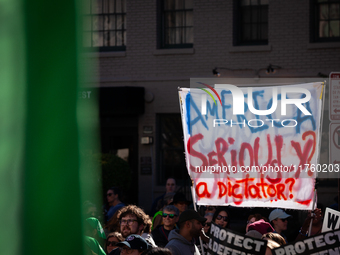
{"x":323,"y":29}
{"x":105,"y":6}
{"x":118,"y":6}
{"x":179,"y":19}
{"x":254,"y":2}
{"x":106,"y":39}
{"x":264,"y":32}
{"x":189,"y":4}
{"x":169,"y":4}
{"x":334,"y":28}
{"x":254,"y":15}
{"x":264,"y":2}
{"x":246,"y":15}
{"x":119,"y":38}
{"x":97,"y":6}
{"x":87,"y":23}
{"x":110,"y":23}
{"x":246,"y":32}
{"x":120,"y":22}
{"x":111,"y":6}
{"x":86,"y":7}
{"x":96,"y":23}
{"x":123,"y":6}
{"x":179,"y":38}
{"x":334,"y":11}
{"x":254,"y":32}
{"x":264,"y":15}
{"x":323,"y":11}
{"x":189,"y":36}
{"x":112,"y":38}
{"x":245,"y":2}
{"x":179,"y":4}
{"x":124,"y":37}
{"x":189,"y":19}
{"x":169,"y":20}
{"x":87,"y":39}
{"x":97,"y":39}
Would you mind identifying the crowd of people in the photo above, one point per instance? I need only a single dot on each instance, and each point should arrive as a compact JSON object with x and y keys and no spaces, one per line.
{"x":174,"y":228}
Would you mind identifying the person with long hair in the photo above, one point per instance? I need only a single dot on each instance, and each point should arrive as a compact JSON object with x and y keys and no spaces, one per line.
{"x":221,"y":217}
{"x":112,"y":240}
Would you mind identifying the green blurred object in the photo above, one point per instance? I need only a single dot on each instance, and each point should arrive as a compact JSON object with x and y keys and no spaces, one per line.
{"x":43,"y":135}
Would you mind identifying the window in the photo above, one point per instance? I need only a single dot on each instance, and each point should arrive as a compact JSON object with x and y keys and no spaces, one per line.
{"x":105,"y":25}
{"x":176,"y":24}
{"x":251,"y":22}
{"x":170,"y":149}
{"x":326,"y":21}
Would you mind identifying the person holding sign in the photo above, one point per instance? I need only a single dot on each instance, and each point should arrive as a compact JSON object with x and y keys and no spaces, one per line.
{"x":182,"y":240}
{"x":221,"y":217}
{"x":317,"y":218}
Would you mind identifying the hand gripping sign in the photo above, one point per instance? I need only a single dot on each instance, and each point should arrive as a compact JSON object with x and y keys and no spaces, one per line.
{"x":253,"y":146}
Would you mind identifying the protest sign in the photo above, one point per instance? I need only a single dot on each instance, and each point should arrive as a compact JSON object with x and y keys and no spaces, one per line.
{"x":225,"y":241}
{"x":331,"y":220}
{"x":254,"y":147}
{"x":326,"y":243}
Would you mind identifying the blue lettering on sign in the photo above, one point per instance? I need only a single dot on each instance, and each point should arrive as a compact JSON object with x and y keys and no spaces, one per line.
{"x":190,"y":104}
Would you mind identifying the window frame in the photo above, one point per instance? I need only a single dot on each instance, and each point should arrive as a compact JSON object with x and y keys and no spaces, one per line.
{"x":114,"y":14}
{"x":238,"y":25}
{"x":161,"y":30}
{"x":314,"y":23}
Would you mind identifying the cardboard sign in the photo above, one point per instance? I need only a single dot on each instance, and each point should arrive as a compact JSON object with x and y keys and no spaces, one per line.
{"x":326,"y":243}
{"x":255,"y":147}
{"x":331,"y":220}
{"x":225,"y":241}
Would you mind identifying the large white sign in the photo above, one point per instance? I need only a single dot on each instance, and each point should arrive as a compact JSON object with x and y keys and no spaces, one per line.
{"x":331,"y":220}
{"x":264,"y":153}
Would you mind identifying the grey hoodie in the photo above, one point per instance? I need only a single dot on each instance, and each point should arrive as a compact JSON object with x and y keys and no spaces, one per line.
{"x":181,"y":246}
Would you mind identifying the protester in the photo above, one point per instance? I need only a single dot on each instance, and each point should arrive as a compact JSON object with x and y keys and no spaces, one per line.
{"x":158,"y":217}
{"x":90,"y":210}
{"x":94,"y":229}
{"x":261,"y":226}
{"x":114,"y":195}
{"x":254,"y":217}
{"x":221,"y":217}
{"x":181,"y":202}
{"x":158,"y":251}
{"x":133,"y":245}
{"x":112,"y":225}
{"x":182,"y":240}
{"x":274,"y":237}
{"x":270,"y":246}
{"x":161,"y":233}
{"x":133,"y":220}
{"x":207,"y":224}
{"x":279,"y":221}
{"x":316,"y":225}
{"x":158,"y":203}
{"x":112,"y":240}
{"x":92,"y":247}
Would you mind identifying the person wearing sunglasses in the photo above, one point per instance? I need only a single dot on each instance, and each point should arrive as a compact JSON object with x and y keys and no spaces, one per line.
{"x":113,"y":196}
{"x":221,"y":217}
{"x":161,"y":232}
{"x":112,"y":240}
{"x":279,"y":220}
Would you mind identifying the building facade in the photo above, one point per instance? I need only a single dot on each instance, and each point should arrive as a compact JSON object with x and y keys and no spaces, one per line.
{"x":147,"y":49}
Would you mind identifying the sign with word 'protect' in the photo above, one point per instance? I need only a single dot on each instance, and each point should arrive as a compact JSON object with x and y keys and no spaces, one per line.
{"x":252,"y":146}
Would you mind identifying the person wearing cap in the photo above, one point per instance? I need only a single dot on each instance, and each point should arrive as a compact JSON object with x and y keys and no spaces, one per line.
{"x":182,"y":240}
{"x":181,"y":202}
{"x":133,"y":245}
{"x":279,"y":220}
